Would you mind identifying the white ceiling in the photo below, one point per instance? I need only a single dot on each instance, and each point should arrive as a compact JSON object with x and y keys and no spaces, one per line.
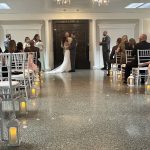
{"x":44,"y":6}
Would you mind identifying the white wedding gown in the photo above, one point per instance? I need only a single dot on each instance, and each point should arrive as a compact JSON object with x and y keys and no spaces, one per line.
{"x":65,"y":66}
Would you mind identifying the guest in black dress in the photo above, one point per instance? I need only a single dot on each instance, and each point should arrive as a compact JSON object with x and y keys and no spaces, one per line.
{"x":19,"y":47}
{"x":112,"y":59}
{"x":11,"y":49}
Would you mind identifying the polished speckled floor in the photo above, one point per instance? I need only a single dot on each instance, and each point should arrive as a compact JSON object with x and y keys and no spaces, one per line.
{"x":86,"y":111}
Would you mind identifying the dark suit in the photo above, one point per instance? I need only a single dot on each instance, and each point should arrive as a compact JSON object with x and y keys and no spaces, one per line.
{"x":73,"y":47}
{"x":139,"y":46}
{"x":112,"y":57}
{"x":1,"y":50}
{"x":106,"y":49}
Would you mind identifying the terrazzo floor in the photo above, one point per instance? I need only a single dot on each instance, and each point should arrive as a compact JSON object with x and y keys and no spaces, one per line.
{"x":86,"y":110}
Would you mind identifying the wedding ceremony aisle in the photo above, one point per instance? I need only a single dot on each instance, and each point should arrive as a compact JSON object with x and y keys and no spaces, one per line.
{"x":86,"y":110}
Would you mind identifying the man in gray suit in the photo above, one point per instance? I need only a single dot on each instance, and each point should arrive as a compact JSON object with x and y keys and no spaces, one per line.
{"x":105,"y":48}
{"x":73,"y":47}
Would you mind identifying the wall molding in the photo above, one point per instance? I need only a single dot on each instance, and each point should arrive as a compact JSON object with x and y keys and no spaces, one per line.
{"x":116,"y":26}
{"x":23,"y":27}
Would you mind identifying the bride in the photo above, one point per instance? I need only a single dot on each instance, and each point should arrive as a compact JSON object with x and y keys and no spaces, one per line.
{"x":66,"y":65}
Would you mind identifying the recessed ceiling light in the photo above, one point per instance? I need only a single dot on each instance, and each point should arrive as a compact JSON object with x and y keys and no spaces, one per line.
{"x":4,"y":6}
{"x":134,"y":5}
{"x":146,"y":5}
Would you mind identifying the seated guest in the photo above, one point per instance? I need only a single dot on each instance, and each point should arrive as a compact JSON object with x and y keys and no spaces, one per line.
{"x":142,"y":45}
{"x":1,"y":50}
{"x":19,"y":47}
{"x":6,"y":42}
{"x":112,"y":55}
{"x":132,"y":44}
{"x":10,"y":49}
{"x":122,"y":47}
{"x":32,"y":48}
{"x":31,"y":63}
{"x":146,"y":64}
{"x":38,"y":43}
{"x":12,"y":46}
{"x":26,"y":42}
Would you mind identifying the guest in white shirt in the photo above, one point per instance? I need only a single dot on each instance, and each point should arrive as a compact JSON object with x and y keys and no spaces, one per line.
{"x":26,"y":42}
{"x":38,"y":43}
{"x":6,"y":42}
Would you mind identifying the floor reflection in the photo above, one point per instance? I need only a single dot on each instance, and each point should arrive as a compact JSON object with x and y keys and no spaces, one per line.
{"x":87,"y":110}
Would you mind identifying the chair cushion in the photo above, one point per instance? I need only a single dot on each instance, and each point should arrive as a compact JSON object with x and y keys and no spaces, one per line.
{"x":28,"y":70}
{"x":19,"y":77}
{"x":141,"y":68}
{"x":6,"y":83}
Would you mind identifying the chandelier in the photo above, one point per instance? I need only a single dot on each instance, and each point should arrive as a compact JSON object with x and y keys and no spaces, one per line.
{"x":63,"y":2}
{"x":101,"y":2}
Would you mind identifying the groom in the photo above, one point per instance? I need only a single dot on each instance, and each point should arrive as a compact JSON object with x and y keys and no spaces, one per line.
{"x":73,"y":47}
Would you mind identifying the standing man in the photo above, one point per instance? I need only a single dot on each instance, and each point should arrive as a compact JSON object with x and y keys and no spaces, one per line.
{"x":73,"y":47}
{"x":6,"y":42}
{"x":105,"y":48}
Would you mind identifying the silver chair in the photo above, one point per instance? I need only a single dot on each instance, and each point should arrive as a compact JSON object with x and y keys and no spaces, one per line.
{"x":129,"y":58}
{"x":20,"y":74}
{"x":30,"y":72}
{"x":143,"y":56}
{"x":9,"y":89}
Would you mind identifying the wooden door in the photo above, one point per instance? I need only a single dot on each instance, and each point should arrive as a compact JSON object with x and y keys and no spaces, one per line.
{"x":81,"y":28}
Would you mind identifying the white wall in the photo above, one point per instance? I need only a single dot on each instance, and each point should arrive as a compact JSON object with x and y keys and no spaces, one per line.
{"x":116,"y":28}
{"x":20,"y":29}
{"x":146,"y":28}
{"x":101,"y":18}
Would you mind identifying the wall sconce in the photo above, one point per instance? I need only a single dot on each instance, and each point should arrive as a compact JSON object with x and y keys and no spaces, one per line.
{"x":13,"y":132}
{"x":130,"y":80}
{"x":23,"y":106}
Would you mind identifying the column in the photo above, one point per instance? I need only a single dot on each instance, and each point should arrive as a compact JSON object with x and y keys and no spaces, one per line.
{"x":48,"y":45}
{"x":94,"y":45}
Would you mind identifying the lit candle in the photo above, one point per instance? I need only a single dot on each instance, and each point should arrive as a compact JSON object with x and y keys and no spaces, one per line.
{"x":23,"y":107}
{"x":42,"y":81}
{"x":37,"y":83}
{"x":33,"y":92}
{"x":118,"y":76}
{"x":131,"y":90}
{"x":41,"y":74}
{"x":111,"y":73}
{"x":13,"y":135}
{"x":131,"y":81}
{"x":148,"y":87}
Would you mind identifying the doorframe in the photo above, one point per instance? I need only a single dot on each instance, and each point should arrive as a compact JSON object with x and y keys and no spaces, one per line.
{"x":71,"y":21}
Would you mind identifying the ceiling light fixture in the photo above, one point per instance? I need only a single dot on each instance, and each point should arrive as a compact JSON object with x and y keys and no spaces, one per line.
{"x":101,"y":2}
{"x":134,"y":5}
{"x":4,"y":6}
{"x":63,"y":2}
{"x":146,"y":5}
